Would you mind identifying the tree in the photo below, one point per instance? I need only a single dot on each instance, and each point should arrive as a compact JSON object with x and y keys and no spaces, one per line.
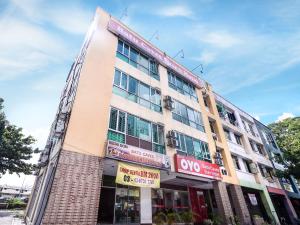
{"x":15,"y":147}
{"x":287,"y":135}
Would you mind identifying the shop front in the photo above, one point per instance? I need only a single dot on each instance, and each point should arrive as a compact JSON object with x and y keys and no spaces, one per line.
{"x":138,"y":187}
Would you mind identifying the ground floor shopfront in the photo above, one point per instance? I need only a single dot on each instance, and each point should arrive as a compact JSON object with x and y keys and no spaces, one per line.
{"x":125,"y":204}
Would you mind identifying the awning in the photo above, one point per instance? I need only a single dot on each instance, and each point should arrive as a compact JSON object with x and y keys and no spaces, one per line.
{"x":276,"y":191}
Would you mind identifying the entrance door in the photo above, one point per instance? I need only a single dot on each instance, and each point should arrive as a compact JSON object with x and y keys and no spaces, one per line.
{"x":199,"y":206}
{"x":127,"y":205}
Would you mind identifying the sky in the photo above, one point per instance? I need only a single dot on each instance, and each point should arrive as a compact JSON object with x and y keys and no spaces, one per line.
{"x":250,"y":52}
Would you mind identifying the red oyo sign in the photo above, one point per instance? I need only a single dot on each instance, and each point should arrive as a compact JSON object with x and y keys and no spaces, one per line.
{"x":192,"y":166}
{"x":160,"y":56}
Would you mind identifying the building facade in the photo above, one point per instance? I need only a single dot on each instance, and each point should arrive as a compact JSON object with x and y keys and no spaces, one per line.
{"x":137,"y":135}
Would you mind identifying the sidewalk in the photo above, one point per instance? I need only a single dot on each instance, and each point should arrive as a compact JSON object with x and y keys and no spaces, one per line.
{"x":11,"y":217}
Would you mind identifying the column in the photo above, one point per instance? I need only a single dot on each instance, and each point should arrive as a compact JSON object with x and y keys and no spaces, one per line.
{"x":146,"y":206}
{"x":239,"y":204}
{"x":223,"y":202}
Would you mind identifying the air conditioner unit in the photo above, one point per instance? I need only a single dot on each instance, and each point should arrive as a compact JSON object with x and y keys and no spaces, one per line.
{"x":204,"y":93}
{"x":172,"y":134}
{"x":169,"y":103}
{"x":253,"y":168}
{"x":172,"y":142}
{"x":270,"y":179}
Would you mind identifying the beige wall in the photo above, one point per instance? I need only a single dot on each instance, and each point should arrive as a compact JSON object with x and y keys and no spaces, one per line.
{"x":88,"y":126}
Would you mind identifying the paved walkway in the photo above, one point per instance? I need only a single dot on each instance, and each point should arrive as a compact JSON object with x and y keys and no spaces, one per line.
{"x":11,"y":217}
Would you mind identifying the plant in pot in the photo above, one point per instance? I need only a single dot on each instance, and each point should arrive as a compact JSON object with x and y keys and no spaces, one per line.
{"x":172,"y":218}
{"x":160,"y":218}
{"x":187,"y":217}
{"x":216,"y":219}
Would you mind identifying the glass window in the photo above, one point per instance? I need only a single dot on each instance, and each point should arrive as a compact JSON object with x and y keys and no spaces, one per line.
{"x":144,"y":130}
{"x":227,"y":134}
{"x":143,"y":61}
{"x":124,"y":81}
{"x":197,"y":149}
{"x":144,"y":91}
{"x":117,"y":77}
{"x":236,"y":162}
{"x":189,"y":145}
{"x":126,"y":50}
{"x":238,"y":139}
{"x":154,"y":133}
{"x":113,"y":119}
{"x":161,"y":135}
{"x":133,"y":86}
{"x":182,"y":143}
{"x":132,"y":125}
{"x":121,"y":122}
{"x":120,"y":46}
{"x":247,"y":165}
{"x":134,"y":55}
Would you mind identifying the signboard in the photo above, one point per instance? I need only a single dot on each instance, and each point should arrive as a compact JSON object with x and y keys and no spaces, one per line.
{"x":137,"y":176}
{"x":137,"y":155}
{"x":253,"y":199}
{"x":160,"y":56}
{"x":192,"y":166}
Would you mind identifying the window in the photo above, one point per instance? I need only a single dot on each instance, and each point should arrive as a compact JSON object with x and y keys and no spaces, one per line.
{"x":182,"y":86}
{"x":219,"y":157}
{"x":193,"y":147}
{"x":136,"y":91}
{"x":236,"y":162}
{"x":259,"y":149}
{"x":132,"y":130}
{"x":227,"y":134}
{"x":231,"y":118}
{"x":137,"y":59}
{"x":262,"y":170}
{"x":238,"y":139}
{"x":187,"y":115}
{"x":247,"y":165}
{"x":144,"y":129}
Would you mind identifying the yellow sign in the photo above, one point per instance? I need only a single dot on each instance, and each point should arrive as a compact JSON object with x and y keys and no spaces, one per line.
{"x":138,"y":176}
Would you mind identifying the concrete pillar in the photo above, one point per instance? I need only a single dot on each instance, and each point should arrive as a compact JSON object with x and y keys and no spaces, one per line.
{"x":290,"y":209}
{"x":239,"y":204}
{"x":146,"y":206}
{"x":223,"y":203}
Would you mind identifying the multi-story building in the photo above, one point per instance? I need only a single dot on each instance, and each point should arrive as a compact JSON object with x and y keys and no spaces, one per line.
{"x":136,"y":134}
{"x":252,"y":157}
{"x":291,"y":195}
{"x":9,"y":191}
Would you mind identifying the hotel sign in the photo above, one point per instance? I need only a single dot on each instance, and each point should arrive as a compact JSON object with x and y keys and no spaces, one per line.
{"x":192,"y":166}
{"x":137,"y":155}
{"x":137,"y":176}
{"x":160,"y":56}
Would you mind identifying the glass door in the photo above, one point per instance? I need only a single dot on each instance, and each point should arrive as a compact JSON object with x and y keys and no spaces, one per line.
{"x":127,"y":206}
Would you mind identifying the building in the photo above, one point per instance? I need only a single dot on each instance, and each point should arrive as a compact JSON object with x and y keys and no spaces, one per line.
{"x":9,"y":191}
{"x":291,"y":194}
{"x":137,"y":134}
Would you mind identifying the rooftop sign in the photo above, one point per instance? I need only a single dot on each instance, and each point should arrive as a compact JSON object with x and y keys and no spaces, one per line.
{"x":160,"y":56}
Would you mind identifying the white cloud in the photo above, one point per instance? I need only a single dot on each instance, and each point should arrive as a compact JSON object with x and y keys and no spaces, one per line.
{"x":175,"y":10}
{"x":206,"y":57}
{"x":284,"y":116}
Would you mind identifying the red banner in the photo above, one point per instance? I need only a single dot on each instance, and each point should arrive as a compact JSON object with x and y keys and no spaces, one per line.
{"x":192,"y":166}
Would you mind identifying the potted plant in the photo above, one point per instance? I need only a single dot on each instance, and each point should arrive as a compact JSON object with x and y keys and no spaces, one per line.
{"x":159,"y":218}
{"x":187,"y":217}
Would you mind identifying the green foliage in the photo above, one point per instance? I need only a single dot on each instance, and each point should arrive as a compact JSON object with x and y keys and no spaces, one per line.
{"x":15,"y":147}
{"x":287,"y":135}
{"x":15,"y":203}
{"x":216,"y":219}
{"x":187,"y":217}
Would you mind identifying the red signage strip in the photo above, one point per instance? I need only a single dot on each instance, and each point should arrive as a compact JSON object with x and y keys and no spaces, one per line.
{"x":161,"y":57}
{"x":192,"y":166}
{"x":276,"y":190}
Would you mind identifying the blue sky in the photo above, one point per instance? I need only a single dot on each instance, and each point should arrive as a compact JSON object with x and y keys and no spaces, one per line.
{"x":250,"y":50}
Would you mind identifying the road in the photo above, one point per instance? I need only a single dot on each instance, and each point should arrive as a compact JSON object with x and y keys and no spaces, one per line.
{"x":11,"y":217}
